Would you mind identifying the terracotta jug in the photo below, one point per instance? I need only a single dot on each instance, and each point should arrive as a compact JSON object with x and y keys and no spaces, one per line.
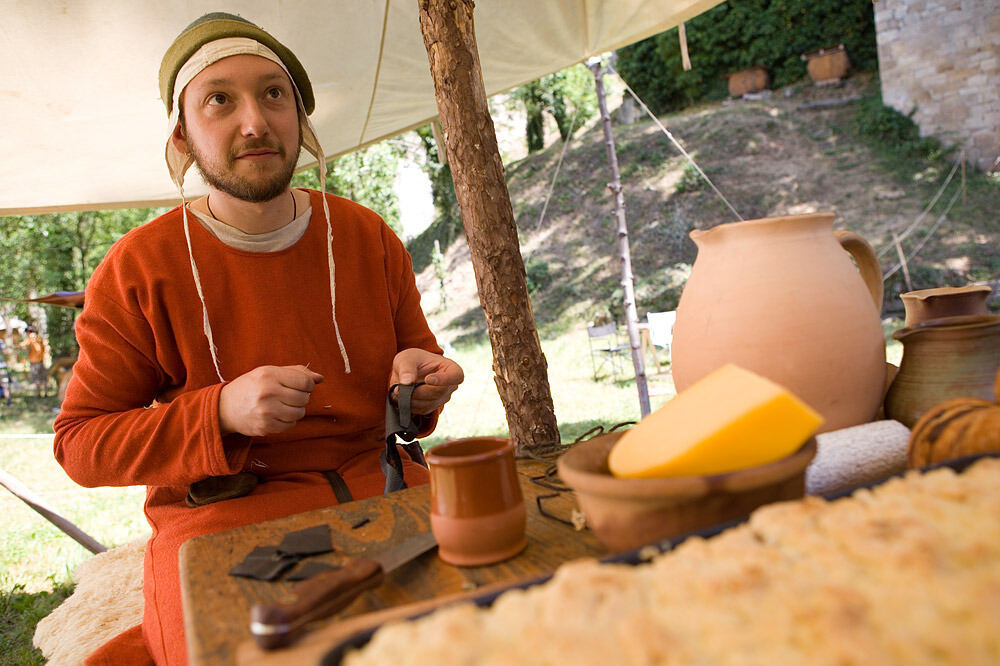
{"x":952,"y":357}
{"x":926,"y":304}
{"x":780,"y":296}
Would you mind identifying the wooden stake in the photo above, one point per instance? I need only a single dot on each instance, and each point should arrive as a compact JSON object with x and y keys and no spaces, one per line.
{"x":963,"y":176}
{"x":685,"y":60}
{"x":519,"y":366}
{"x":902,"y":262}
{"x":624,"y":255}
{"x":439,"y":141}
{"x":23,"y":493}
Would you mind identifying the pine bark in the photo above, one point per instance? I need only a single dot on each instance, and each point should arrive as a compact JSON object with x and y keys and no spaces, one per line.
{"x":519,"y":366}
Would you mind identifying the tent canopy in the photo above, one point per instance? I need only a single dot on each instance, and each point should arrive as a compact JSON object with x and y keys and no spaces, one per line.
{"x":85,"y":128}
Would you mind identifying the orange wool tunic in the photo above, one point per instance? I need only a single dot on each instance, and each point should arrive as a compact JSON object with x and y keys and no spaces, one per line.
{"x":142,"y":408}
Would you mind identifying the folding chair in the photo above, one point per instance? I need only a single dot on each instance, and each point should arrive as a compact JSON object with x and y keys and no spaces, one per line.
{"x":606,"y":348}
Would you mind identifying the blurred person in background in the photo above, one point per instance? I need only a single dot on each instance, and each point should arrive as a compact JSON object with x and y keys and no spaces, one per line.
{"x":35,"y":345}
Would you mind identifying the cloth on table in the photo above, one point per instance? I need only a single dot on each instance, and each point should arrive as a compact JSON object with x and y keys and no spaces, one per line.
{"x":857,"y":455}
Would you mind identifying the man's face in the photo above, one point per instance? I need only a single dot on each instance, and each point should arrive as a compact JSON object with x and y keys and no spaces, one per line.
{"x":241,"y":124}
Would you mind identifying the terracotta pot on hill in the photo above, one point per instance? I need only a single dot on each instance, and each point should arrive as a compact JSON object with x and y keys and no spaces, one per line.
{"x":753,"y":79}
{"x":827,"y":65}
{"x":780,"y":296}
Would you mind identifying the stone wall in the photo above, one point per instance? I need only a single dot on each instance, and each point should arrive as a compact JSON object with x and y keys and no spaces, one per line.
{"x":942,"y":58}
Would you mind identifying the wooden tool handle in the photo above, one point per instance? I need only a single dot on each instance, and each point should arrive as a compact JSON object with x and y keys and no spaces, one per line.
{"x":278,"y":624}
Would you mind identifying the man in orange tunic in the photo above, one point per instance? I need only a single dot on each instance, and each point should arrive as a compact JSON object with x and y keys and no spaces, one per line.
{"x":251,"y":334}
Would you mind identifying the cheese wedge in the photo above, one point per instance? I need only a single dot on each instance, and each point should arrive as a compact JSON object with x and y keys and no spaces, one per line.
{"x":730,"y":419}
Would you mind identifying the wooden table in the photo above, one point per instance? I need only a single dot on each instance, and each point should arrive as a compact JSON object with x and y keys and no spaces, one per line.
{"x":217,"y":605}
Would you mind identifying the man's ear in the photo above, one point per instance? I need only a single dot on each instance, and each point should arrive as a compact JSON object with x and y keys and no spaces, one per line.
{"x":177,"y":138}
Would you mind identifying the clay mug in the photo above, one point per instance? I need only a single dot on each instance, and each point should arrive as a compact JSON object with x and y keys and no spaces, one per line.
{"x":781,"y":297}
{"x":477,"y":510}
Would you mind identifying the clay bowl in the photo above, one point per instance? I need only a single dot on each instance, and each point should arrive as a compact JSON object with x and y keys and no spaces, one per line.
{"x":628,"y":513}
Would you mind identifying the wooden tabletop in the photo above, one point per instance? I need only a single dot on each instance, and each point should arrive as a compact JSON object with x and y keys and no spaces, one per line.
{"x":217,"y":605}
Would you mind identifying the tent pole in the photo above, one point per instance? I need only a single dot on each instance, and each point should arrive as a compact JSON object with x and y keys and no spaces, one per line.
{"x":624,"y":255}
{"x":519,"y":366}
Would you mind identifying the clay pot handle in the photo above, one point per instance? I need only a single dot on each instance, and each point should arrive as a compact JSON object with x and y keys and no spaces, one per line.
{"x":868,"y":265}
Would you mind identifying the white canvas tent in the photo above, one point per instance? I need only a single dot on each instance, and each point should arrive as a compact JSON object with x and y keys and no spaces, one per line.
{"x":84,"y":127}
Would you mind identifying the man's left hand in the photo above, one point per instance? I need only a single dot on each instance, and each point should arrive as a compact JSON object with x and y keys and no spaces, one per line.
{"x":441,"y":376}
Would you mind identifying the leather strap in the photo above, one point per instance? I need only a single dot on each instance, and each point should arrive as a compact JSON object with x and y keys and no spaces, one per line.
{"x":399,"y":422}
{"x":339,"y":486}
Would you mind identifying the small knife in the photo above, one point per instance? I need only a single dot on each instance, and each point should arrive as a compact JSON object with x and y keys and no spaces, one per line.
{"x":275,"y":625}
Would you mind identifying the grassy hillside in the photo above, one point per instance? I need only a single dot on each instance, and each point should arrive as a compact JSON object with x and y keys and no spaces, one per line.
{"x":776,"y":156}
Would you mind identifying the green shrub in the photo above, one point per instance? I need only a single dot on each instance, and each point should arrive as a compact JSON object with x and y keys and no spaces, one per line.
{"x":739,"y":34}
{"x":691,"y":180}
{"x":537,"y":274}
{"x":892,"y":131}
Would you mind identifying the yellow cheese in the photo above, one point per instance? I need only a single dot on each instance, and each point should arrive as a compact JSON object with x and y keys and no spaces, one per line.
{"x":728,"y":420}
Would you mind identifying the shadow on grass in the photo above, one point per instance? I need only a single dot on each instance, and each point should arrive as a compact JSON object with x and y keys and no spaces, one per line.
{"x":20,"y":611}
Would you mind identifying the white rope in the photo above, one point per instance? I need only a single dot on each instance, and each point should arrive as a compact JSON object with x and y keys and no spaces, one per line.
{"x":206,"y":326}
{"x":675,"y":142}
{"x":923,"y":241}
{"x":552,"y":185}
{"x":332,"y":267}
{"x":926,"y":210}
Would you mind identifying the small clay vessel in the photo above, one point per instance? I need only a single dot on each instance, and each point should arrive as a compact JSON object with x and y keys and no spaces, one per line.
{"x":477,"y":509}
{"x":953,"y":357}
{"x":780,"y":297}
{"x":926,"y":304}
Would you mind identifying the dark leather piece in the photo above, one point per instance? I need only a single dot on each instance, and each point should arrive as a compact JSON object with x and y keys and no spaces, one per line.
{"x":218,"y":488}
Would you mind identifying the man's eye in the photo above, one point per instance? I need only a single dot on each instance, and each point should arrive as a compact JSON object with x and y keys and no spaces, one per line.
{"x":275,"y":93}
{"x":217,"y":99}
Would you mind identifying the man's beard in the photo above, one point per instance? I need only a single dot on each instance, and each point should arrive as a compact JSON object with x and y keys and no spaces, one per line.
{"x":225,"y":180}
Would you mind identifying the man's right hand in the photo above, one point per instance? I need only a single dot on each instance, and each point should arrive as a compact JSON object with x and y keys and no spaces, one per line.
{"x":266,"y":400}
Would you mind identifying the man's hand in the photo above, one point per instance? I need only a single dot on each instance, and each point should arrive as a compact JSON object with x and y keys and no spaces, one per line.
{"x":441,"y":376}
{"x":266,"y":400}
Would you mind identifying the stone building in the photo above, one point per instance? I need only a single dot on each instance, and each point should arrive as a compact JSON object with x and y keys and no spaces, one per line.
{"x":940,"y":59}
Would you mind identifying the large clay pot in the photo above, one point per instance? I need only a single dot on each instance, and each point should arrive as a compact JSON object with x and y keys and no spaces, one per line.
{"x":780,"y":296}
{"x":953,"y":357}
{"x":926,"y":304}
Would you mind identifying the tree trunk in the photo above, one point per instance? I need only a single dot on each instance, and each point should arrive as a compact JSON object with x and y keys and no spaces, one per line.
{"x":519,"y":367}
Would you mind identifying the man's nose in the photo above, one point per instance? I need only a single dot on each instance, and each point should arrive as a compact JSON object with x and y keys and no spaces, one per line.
{"x":252,"y":119}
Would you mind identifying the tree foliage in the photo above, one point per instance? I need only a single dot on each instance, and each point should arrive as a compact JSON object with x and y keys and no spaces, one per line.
{"x":738,"y":34}
{"x":57,"y":252}
{"x":447,"y":225}
{"x":367,"y":176}
{"x":567,"y":95}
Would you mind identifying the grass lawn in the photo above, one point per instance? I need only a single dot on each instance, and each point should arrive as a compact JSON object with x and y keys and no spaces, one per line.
{"x":36,"y":558}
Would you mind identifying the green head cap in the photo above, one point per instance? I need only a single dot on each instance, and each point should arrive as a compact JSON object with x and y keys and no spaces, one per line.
{"x":219,"y":25}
